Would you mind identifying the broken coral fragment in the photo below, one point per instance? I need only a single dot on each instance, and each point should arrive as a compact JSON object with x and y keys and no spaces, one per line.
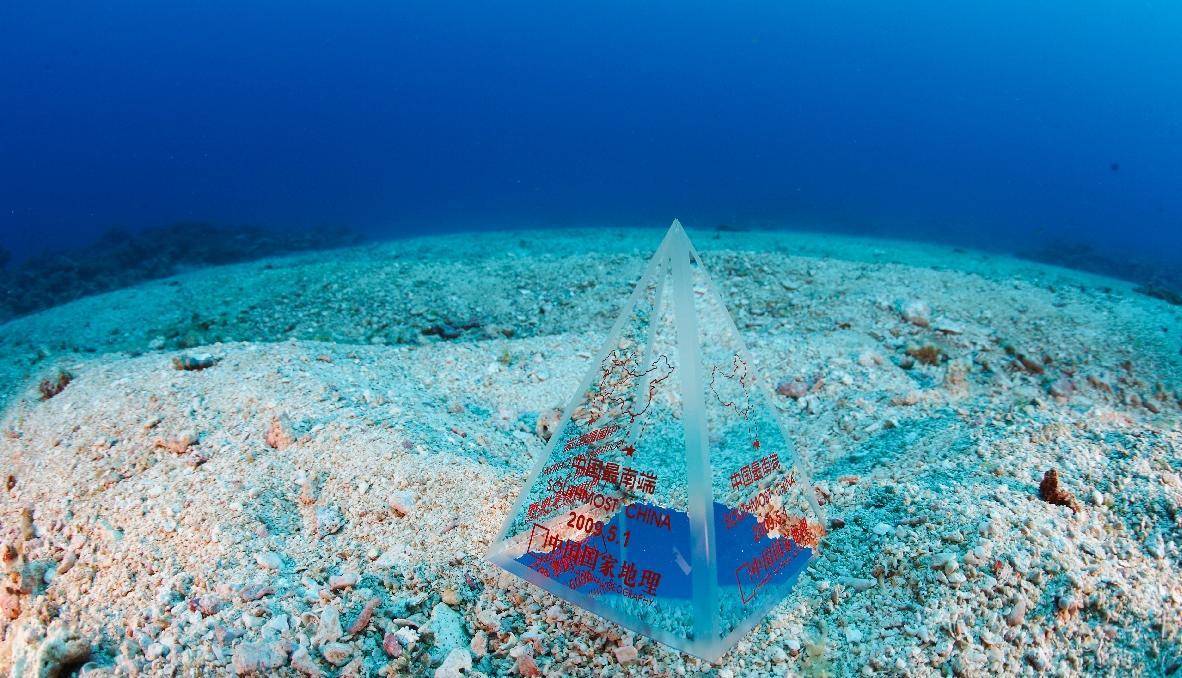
{"x":1051,"y":492}
{"x":279,"y":435}
{"x":55,"y":385}
{"x":193,"y":363}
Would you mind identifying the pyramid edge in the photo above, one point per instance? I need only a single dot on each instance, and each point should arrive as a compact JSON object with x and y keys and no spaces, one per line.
{"x":699,"y":468}
{"x":650,"y":269}
{"x":803,"y":459}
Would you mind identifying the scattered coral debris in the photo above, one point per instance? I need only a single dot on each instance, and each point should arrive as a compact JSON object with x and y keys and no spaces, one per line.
{"x":363,"y":618}
{"x":193,"y":363}
{"x":10,"y":601}
{"x":1051,"y":492}
{"x":928,"y":355}
{"x":1030,"y":365}
{"x":279,"y":435}
{"x":1025,"y":362}
{"x":796,"y":389}
{"x":451,"y":330}
{"x":548,"y":423}
{"x":180,"y":444}
{"x":51,"y":387}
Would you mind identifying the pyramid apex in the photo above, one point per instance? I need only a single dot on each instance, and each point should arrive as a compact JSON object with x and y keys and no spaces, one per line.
{"x":676,"y":235}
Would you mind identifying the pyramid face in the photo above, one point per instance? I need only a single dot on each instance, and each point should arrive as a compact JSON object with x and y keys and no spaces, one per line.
{"x":669,"y":499}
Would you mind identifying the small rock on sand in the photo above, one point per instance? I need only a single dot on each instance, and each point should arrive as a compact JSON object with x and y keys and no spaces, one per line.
{"x":1017,"y":613}
{"x":402,"y":503}
{"x":193,"y":363}
{"x":527,"y":666}
{"x":858,"y":584}
{"x":53,"y":656}
{"x":336,"y":654}
{"x":329,"y":520}
{"x":269,"y":560}
{"x":915,"y":312}
{"x":479,"y":644}
{"x":448,"y":627}
{"x":303,"y":662}
{"x":328,"y":629}
{"x":626,"y":654}
{"x":259,"y":657}
{"x":794,"y":388}
{"x":391,"y":646}
{"x":343,"y":580}
{"x":181,"y":443}
{"x":458,"y":660}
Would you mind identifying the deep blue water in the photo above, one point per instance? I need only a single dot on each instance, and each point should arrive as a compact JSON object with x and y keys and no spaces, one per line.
{"x":1004,"y":124}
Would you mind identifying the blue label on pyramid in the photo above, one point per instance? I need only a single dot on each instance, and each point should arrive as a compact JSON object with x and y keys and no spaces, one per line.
{"x":670,"y":500}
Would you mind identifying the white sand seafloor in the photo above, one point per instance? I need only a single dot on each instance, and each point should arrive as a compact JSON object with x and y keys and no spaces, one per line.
{"x":336,"y":459}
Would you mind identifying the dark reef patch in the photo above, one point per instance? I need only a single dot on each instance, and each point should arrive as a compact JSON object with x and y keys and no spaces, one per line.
{"x":1160,"y":280}
{"x":121,"y":258}
{"x":1164,"y":293}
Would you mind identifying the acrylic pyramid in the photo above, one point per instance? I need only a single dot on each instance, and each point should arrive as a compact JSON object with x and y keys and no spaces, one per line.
{"x":670,"y":500}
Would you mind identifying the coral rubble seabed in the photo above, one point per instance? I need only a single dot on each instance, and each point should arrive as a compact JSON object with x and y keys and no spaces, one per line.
{"x":321,"y":492}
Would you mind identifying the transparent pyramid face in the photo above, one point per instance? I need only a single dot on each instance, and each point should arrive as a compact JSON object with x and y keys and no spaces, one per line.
{"x":669,"y":500}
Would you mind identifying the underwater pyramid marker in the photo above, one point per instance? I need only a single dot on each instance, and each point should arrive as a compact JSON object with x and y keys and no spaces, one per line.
{"x":669,"y":500}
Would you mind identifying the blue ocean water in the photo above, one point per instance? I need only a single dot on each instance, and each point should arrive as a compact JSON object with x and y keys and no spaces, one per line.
{"x":1004,"y":124}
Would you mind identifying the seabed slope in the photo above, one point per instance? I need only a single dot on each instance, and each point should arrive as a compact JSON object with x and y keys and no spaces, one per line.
{"x":202,"y":521}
